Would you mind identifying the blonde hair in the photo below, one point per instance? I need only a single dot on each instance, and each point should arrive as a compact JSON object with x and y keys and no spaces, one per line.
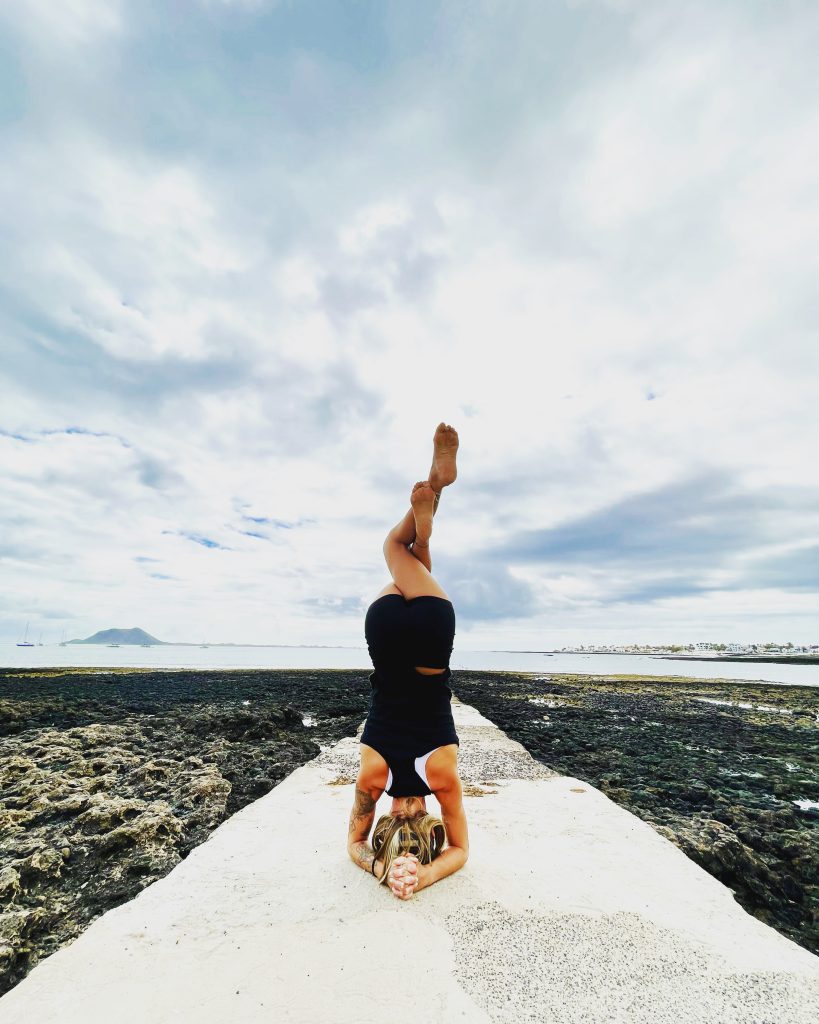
{"x":411,"y":830}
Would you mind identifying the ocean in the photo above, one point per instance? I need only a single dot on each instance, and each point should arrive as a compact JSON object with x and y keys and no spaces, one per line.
{"x":203,"y":658}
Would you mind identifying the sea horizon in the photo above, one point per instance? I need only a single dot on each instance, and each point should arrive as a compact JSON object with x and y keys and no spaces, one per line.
{"x":168,"y":656}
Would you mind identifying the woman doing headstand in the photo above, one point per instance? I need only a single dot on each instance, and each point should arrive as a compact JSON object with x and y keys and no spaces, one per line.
{"x":409,"y":746}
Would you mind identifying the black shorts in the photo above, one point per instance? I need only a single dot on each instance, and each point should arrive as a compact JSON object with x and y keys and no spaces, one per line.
{"x":420,"y":631}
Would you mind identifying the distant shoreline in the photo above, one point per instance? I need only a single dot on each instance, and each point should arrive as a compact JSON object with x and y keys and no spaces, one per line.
{"x":168,"y":643}
{"x":773,"y":659}
{"x":770,"y":659}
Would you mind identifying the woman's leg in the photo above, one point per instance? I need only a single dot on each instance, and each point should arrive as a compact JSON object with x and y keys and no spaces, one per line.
{"x":405,"y":532}
{"x":411,"y":567}
{"x":442,"y":473}
{"x":410,"y":574}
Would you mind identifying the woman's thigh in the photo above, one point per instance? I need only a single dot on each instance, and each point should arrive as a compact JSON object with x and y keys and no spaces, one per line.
{"x":411,"y":578}
{"x":373,"y":769}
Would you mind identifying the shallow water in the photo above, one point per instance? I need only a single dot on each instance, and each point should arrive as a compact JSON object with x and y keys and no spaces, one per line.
{"x":195,"y":657}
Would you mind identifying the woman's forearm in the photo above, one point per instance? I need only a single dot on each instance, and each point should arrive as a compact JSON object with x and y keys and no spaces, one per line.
{"x":451,"y":860}
{"x":362,"y":853}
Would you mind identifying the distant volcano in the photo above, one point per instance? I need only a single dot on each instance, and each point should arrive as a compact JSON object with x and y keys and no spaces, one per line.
{"x":120,"y":636}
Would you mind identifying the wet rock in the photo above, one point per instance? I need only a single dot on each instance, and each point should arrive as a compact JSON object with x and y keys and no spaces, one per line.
{"x":37,"y":866}
{"x":9,"y":883}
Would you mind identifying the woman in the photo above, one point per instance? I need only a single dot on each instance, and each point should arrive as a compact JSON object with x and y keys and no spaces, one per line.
{"x":409,"y":746}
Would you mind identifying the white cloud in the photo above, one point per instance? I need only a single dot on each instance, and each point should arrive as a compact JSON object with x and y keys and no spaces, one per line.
{"x":68,"y":24}
{"x":600,"y":270}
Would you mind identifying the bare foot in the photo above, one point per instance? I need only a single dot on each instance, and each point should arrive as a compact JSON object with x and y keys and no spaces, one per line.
{"x":445,"y":448}
{"x":422,"y":500}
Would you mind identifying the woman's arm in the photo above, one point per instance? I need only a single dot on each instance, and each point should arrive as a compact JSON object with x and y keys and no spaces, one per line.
{"x":361,"y":821}
{"x":447,"y":863}
{"x":456,"y":853}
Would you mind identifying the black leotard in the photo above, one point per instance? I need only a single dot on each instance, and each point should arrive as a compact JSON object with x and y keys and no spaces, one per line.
{"x":410,"y":714}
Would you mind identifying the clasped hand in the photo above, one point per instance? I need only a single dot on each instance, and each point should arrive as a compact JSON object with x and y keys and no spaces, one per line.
{"x":404,"y":876}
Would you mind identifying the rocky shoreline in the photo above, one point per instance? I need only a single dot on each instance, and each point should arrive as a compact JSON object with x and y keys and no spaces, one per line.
{"x":109,"y":778}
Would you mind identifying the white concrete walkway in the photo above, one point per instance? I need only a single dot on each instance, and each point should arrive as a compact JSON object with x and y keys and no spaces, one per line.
{"x":569,"y":909}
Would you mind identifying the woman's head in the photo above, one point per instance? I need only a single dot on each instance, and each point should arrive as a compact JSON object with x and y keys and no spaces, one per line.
{"x":411,"y":830}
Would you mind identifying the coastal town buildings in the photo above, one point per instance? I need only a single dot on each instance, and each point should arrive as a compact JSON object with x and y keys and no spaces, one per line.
{"x":712,"y":649}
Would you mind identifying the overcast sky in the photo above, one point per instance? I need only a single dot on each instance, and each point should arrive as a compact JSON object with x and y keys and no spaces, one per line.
{"x":253,"y":252}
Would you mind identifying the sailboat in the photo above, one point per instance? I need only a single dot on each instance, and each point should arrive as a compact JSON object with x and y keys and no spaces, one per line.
{"x":25,"y":642}
{"x":62,"y":642}
{"x":40,"y":640}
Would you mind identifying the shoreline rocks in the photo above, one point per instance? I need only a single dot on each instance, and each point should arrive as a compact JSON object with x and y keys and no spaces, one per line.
{"x":107,"y":782}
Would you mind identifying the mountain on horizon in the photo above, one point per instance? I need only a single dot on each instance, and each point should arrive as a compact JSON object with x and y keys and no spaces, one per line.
{"x":120,"y":636}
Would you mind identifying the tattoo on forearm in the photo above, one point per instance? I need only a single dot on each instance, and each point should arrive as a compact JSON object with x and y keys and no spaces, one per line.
{"x":361,"y":819}
{"x":363,"y":808}
{"x":364,"y":855}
